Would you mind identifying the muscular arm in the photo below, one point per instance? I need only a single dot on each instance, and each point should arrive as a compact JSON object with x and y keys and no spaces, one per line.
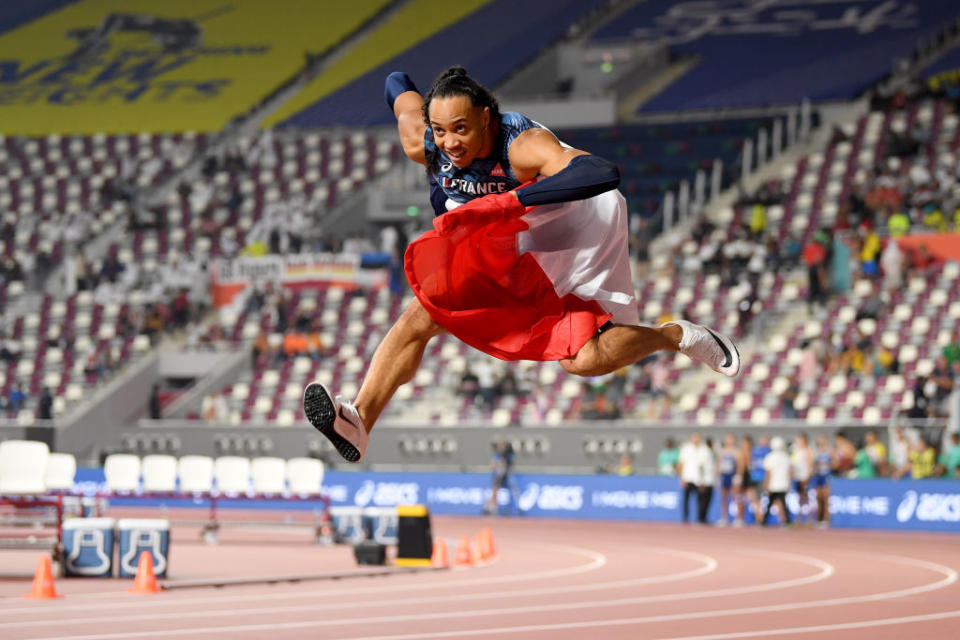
{"x":409,"y":112}
{"x":569,"y":174}
{"x":537,"y":152}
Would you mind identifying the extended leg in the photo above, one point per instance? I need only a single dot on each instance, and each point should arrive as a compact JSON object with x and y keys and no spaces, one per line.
{"x":394,"y":363}
{"x":620,"y":346}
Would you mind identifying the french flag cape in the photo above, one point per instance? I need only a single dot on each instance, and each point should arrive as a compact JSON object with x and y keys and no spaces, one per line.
{"x":526,"y":283}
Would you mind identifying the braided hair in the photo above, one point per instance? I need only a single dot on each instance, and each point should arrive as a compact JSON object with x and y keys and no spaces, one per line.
{"x":455,"y":82}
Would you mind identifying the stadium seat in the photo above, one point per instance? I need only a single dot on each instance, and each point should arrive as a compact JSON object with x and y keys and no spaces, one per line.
{"x":196,"y":474}
{"x":159,"y":473}
{"x":268,"y":476}
{"x":23,"y":465}
{"x":305,"y":476}
{"x":122,"y":471}
{"x":60,"y":472}
{"x":232,"y":475}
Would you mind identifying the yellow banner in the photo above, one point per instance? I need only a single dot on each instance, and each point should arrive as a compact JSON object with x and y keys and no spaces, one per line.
{"x":124,"y":66}
{"x":413,"y":23}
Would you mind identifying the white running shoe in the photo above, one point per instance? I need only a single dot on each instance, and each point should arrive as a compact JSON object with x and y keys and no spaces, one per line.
{"x":713,"y":349}
{"x":336,"y":419}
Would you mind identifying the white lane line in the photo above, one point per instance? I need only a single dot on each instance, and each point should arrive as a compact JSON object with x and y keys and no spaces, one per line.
{"x":826,"y":571}
{"x":840,"y":626}
{"x":708,"y":565}
{"x":597,"y":561}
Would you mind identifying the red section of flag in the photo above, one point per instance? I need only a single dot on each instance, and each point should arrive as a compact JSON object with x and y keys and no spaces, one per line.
{"x":474,"y":283}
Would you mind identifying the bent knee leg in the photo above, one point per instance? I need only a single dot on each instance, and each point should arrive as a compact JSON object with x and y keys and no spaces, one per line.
{"x":417,"y":322}
{"x":589,"y":361}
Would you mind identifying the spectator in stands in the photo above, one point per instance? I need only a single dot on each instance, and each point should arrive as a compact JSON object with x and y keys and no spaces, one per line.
{"x":600,"y":409}
{"x":486,"y":382}
{"x":294,"y":344}
{"x":315,"y":346}
{"x":777,"y":481}
{"x":502,"y":467}
{"x":260,"y":350}
{"x":943,"y":378}
{"x":801,"y":468}
{"x":667,"y":458}
{"x":922,"y":402}
{"x":659,"y":389}
{"x":815,"y":257}
{"x":214,"y":408}
{"x":787,"y":400}
{"x":744,"y":485}
{"x":823,"y":466}
{"x":690,"y":468}
{"x":625,"y":465}
{"x":15,"y":398}
{"x":923,"y":460}
{"x":949,"y":462}
{"x":469,"y":384}
{"x":9,"y":348}
{"x":876,"y":451}
{"x":899,"y":459}
{"x":892,"y":262}
{"x":45,"y":405}
{"x":708,"y":477}
{"x":726,"y":465}
{"x":154,"y":406}
{"x":844,"y":453}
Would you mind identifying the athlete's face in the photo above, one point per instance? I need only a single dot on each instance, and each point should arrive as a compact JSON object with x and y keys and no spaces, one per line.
{"x":459,"y":128}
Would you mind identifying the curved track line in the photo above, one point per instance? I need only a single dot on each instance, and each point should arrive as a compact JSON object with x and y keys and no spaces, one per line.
{"x":825,"y":572}
{"x":597,"y":561}
{"x":826,"y":627}
{"x":709,"y":565}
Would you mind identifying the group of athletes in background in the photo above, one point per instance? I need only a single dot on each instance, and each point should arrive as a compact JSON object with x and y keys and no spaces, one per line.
{"x":746,"y":471}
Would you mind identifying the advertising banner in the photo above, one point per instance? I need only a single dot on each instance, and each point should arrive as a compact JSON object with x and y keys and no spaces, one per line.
{"x":125,"y":66}
{"x":230,"y":277}
{"x":932,"y":505}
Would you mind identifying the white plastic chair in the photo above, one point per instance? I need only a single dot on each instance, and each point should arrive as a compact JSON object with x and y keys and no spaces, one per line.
{"x":22,"y":467}
{"x":159,"y":474}
{"x":61,"y":468}
{"x":268,"y":475}
{"x":122,"y":471}
{"x":305,"y":476}
{"x":196,"y":474}
{"x":232,"y":474}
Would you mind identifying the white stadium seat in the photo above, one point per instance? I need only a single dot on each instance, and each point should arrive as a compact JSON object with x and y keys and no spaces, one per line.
{"x":60,"y":472}
{"x":232,"y":474}
{"x":122,"y":471}
{"x":196,"y":474}
{"x":305,"y":476}
{"x":159,"y":474}
{"x":23,"y":464}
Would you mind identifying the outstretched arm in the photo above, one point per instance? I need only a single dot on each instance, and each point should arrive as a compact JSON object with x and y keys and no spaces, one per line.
{"x":405,"y":101}
{"x":569,"y":174}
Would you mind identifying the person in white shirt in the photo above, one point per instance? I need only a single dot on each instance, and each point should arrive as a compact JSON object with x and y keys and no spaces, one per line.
{"x":690,"y":470}
{"x":777,"y":480}
{"x":708,"y":477}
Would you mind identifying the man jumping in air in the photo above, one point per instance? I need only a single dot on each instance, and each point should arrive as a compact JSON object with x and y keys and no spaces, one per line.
{"x":528,"y":258}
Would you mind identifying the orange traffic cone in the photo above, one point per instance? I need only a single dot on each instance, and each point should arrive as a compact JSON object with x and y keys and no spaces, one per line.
{"x":146,"y":581}
{"x":464,"y":552}
{"x":439,"y":557}
{"x":43,"y":588}
{"x":491,"y":548}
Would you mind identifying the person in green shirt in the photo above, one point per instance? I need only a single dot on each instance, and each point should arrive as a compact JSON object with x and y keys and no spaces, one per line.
{"x":667,"y":459}
{"x":864,"y":465}
{"x":950,"y":458}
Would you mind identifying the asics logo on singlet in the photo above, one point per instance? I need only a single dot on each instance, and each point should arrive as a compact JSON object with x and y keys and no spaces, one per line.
{"x":446,"y":166}
{"x":473,"y":188}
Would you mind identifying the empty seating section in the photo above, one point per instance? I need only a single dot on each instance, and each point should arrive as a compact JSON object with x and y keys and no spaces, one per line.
{"x":920,"y":318}
{"x":491,"y":42}
{"x":224,"y":477}
{"x":654,"y":159}
{"x":311,"y":172}
{"x":766,"y":54}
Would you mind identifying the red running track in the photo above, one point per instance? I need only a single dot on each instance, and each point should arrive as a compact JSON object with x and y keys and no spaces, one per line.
{"x":551,"y":579}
